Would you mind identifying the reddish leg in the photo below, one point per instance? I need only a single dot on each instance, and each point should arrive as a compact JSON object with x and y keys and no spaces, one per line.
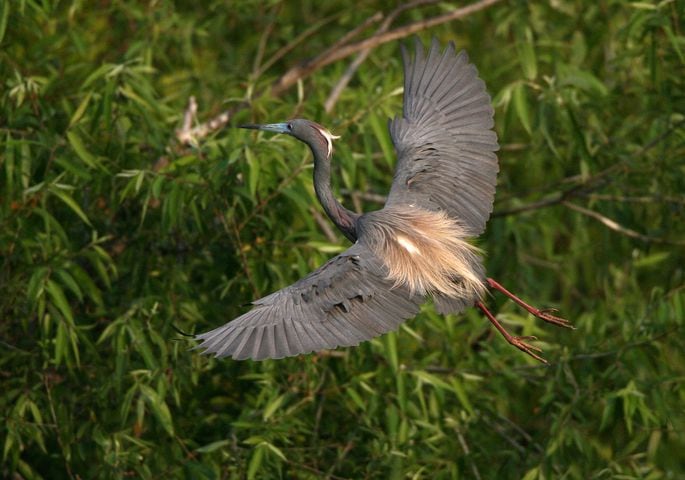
{"x":541,"y":314}
{"x":518,"y":342}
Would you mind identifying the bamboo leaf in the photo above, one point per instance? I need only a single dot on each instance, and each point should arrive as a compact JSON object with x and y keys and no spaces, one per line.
{"x":4,"y":16}
{"x":211,"y":447}
{"x":527,"y":57}
{"x":79,"y":147}
{"x":59,"y":300}
{"x":71,"y":203}
{"x":255,"y":462}
{"x":520,"y":103}
{"x":159,"y":408}
{"x":78,"y":114}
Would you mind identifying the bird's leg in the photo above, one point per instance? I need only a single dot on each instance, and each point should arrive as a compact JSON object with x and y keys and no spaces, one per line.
{"x":541,"y":314}
{"x":518,"y":342}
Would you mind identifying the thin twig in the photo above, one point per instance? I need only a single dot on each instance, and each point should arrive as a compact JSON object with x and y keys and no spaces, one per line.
{"x":348,"y":447}
{"x":243,"y":257}
{"x":366,"y":196}
{"x":263,"y":39}
{"x":294,"y":43}
{"x":499,"y":430}
{"x":545,"y":202}
{"x":615,"y":226}
{"x":184,"y":134}
{"x":344,"y":80}
{"x":638,"y":199}
{"x":467,"y":453}
{"x":324,"y":225}
{"x":361,"y":56}
{"x":58,"y":435}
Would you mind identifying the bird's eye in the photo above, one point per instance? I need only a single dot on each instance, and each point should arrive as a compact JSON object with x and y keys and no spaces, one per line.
{"x":290,"y":126}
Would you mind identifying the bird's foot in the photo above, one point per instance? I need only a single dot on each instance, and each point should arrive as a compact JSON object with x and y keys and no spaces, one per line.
{"x":519,"y":342}
{"x":544,"y":314}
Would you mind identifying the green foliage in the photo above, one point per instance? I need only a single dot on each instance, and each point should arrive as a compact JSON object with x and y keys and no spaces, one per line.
{"x":112,"y":237}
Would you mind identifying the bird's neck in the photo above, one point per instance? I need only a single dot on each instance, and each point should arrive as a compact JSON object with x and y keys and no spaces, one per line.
{"x":344,"y":219}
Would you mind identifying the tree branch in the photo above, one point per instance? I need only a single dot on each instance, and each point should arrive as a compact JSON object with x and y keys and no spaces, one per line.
{"x":334,"y":53}
{"x":341,"y":51}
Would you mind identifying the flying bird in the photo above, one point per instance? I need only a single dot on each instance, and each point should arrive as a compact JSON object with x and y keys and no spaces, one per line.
{"x":418,"y":245}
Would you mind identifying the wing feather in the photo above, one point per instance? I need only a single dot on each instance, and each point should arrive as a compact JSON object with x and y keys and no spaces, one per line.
{"x":444,"y":139}
{"x":345,"y":302}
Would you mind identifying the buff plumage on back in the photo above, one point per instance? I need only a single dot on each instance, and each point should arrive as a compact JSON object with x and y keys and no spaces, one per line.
{"x":425,"y":252}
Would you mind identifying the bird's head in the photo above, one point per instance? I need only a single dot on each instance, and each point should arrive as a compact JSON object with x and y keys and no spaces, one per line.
{"x":317,"y":137}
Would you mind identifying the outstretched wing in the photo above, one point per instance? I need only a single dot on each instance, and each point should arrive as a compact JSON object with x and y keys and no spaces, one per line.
{"x":346,"y":301}
{"x":444,"y":140}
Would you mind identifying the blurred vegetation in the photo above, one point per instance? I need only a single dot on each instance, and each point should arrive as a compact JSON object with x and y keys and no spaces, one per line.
{"x":112,"y":236}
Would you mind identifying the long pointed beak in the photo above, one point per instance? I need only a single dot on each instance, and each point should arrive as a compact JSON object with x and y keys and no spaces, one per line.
{"x":268,"y":127}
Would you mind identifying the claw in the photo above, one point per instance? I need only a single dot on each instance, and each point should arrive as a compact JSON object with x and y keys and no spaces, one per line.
{"x":519,"y":343}
{"x":553,"y":319}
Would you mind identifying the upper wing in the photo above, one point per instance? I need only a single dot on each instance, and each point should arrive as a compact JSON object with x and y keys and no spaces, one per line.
{"x":346,"y":301}
{"x":444,"y":141}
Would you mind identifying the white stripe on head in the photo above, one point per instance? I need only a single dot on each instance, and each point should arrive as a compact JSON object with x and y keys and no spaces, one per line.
{"x":329,"y":138}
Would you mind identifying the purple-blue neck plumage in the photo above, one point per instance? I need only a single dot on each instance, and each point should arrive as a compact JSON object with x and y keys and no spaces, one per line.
{"x":320,"y":141}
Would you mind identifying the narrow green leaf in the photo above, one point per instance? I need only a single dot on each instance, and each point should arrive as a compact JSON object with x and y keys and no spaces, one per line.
{"x":255,"y":462}
{"x":86,"y":284}
{"x":100,"y":72}
{"x":4,"y":16}
{"x":128,"y":92}
{"x":380,"y":131}
{"x":210,"y":447}
{"x":59,"y":300}
{"x":254,"y":169}
{"x":521,"y":106}
{"x":36,"y":283}
{"x":582,"y":79}
{"x":651,"y":260}
{"x":675,"y":42}
{"x":527,"y":57}
{"x":391,"y":350}
{"x":458,"y":389}
{"x":432,"y":380}
{"x":77,"y":144}
{"x":272,"y":407}
{"x":138,"y":341}
{"x":61,"y":346}
{"x":69,"y":282}
{"x":71,"y":203}
{"x":356,"y":398}
{"x":325,"y":247}
{"x":159,"y":408}
{"x":80,"y":110}
{"x":273,"y":448}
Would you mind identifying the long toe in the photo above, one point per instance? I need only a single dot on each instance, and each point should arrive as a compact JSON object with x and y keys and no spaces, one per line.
{"x":553,"y":319}
{"x":519,"y":343}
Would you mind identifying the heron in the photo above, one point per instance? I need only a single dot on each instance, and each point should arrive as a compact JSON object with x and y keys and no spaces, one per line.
{"x":419,"y":245}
